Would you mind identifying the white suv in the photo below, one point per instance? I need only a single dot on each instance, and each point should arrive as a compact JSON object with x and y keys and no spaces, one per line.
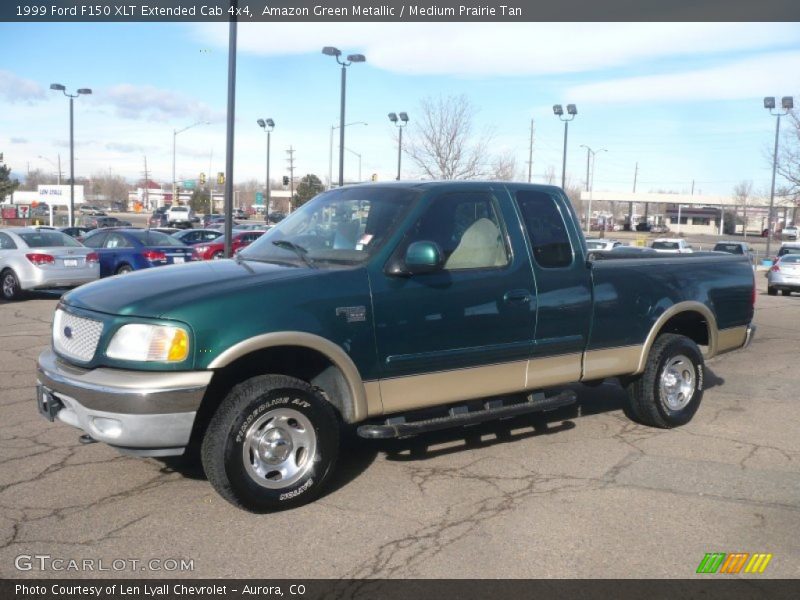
{"x":179,"y":216}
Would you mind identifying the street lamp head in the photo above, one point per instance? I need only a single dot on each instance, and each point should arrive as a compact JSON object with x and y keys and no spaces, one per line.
{"x":331,"y":51}
{"x":85,"y":91}
{"x":58,"y":87}
{"x":270,"y":123}
{"x":558,"y":110}
{"x":769,"y":102}
{"x":393,"y":117}
{"x":356,"y":58}
{"x":571,"y":109}
{"x":787,"y":102}
{"x":404,"y":117}
{"x":261,"y":123}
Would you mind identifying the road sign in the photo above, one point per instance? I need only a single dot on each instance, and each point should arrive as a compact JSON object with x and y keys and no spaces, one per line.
{"x":259,"y":197}
{"x":24,"y":211}
{"x":188,"y":184}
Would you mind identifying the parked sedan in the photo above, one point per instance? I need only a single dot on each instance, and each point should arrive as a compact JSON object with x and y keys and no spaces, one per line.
{"x":209,"y":220}
{"x":125,"y":250}
{"x":790,"y":233}
{"x":76,"y":232}
{"x":197,"y":236}
{"x":158,"y":218}
{"x":216,"y":249}
{"x":87,"y":209}
{"x":671,"y":246}
{"x":601,"y":244}
{"x":39,"y":259}
{"x":784,"y":275}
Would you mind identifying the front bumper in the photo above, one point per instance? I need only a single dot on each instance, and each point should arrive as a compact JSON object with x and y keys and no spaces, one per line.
{"x":140,"y":412}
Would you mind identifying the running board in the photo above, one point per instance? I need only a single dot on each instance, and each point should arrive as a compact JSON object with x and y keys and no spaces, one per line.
{"x":460,"y":416}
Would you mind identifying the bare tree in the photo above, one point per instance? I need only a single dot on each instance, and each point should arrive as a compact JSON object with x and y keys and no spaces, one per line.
{"x":789,"y":153}
{"x":550,"y":175}
{"x":442,"y":143}
{"x":37,"y":177}
{"x":742,"y":192}
{"x":504,"y":167}
{"x":110,"y":187}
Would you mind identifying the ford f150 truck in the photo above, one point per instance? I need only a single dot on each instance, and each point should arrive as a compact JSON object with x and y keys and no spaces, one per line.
{"x":393,"y":309}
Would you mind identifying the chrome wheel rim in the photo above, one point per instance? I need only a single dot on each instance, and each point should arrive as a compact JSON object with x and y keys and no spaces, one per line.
{"x":677,"y":382}
{"x":8,"y":285}
{"x":279,"y":448}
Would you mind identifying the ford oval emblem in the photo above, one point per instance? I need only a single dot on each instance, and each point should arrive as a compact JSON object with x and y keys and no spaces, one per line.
{"x":68,"y":332}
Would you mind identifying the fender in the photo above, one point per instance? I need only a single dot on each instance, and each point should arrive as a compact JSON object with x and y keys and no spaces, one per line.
{"x":358,"y":409}
{"x":675,"y":309}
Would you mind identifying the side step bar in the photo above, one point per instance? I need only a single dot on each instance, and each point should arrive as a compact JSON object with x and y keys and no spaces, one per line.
{"x":460,"y":416}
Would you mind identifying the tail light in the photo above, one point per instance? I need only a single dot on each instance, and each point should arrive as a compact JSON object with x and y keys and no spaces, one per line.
{"x":199,"y":252}
{"x":41,"y":259}
{"x":154,"y":255}
{"x":775,"y":268}
{"x":92,"y":257}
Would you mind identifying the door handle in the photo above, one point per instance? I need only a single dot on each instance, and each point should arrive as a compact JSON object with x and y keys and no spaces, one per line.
{"x":517,"y":297}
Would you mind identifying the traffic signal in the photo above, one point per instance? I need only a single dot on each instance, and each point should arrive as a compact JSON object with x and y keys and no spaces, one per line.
{"x":220,"y":178}
{"x":285,"y":180}
{"x":202,"y":178}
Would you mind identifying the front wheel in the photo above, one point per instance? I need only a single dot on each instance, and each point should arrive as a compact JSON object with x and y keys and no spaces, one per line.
{"x":786,"y":292}
{"x":271,"y":445}
{"x":670,"y":390}
{"x":772,"y":291}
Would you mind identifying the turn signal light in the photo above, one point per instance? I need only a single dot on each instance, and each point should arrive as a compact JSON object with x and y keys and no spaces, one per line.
{"x":40,"y":259}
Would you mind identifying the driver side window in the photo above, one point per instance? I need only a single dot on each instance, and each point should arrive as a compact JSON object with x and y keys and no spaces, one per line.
{"x":467,"y":228}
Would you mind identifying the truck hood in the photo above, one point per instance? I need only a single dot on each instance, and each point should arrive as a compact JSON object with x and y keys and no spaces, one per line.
{"x":156,"y":291}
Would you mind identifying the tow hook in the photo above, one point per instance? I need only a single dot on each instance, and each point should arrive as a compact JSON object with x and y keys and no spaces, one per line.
{"x":86,"y":439}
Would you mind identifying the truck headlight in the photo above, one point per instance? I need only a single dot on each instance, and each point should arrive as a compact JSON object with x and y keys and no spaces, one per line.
{"x":149,"y":343}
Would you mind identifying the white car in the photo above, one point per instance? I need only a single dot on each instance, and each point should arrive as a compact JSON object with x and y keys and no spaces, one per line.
{"x":33,"y":259}
{"x":601,"y":244}
{"x":179,"y":216}
{"x":790,"y":233}
{"x":671,"y":246}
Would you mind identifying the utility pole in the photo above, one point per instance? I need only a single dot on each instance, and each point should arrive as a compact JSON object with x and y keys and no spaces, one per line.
{"x":146,"y":185}
{"x":290,"y":160}
{"x":530,"y":153}
{"x":692,"y":187}
{"x":630,"y":204}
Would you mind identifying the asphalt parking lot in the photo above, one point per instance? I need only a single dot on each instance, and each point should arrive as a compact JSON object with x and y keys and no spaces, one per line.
{"x":582,"y":493}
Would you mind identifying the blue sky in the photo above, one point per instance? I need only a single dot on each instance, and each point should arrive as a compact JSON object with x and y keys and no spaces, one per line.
{"x":682,"y":100}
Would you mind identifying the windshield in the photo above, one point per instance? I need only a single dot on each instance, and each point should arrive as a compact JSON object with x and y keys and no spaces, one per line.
{"x":154,"y":238}
{"x":43,"y":239}
{"x":729,"y":248}
{"x":665,"y":245}
{"x":791,"y":258}
{"x":595,"y":245}
{"x":344,"y":226}
{"x":788,"y":250}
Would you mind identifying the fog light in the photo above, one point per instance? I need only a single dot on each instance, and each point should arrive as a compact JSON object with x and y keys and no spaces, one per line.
{"x":107,"y":427}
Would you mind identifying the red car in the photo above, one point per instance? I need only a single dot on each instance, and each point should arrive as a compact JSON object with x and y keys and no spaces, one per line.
{"x":216,"y":249}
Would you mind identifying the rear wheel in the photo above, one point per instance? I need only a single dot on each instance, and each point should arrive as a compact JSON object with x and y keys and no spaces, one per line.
{"x":271,"y":445}
{"x":772,"y":291}
{"x":123,"y":269}
{"x":217,"y":255}
{"x":786,"y":292}
{"x":670,"y":390}
{"x":10,"y":285}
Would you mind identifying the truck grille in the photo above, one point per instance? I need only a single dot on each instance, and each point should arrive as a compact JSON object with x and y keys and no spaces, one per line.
{"x":75,"y":337}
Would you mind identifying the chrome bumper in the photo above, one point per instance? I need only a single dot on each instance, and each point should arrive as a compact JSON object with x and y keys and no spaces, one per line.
{"x":748,"y":338}
{"x":141,"y":412}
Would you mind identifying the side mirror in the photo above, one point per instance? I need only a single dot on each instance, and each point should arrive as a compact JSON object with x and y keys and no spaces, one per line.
{"x":423,"y":257}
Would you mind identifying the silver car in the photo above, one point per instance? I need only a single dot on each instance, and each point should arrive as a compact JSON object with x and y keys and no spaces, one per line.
{"x":784,"y":275}
{"x":39,"y":258}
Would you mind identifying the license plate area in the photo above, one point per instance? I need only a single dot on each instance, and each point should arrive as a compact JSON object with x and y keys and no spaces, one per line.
{"x":70,"y":262}
{"x":47,"y":403}
{"x":178,"y":259}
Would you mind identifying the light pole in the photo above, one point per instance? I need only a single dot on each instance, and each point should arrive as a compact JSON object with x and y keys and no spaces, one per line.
{"x":267,"y":125}
{"x":590,"y":182}
{"x":175,"y":133}
{"x":82,"y":91}
{"x":558,"y":111}
{"x":351,"y":58}
{"x":54,"y":164}
{"x":330,"y":151}
{"x":787,"y":104}
{"x":401,"y":122}
{"x":359,"y":162}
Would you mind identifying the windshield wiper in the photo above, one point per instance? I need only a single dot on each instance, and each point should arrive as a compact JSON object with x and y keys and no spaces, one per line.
{"x":297,"y":249}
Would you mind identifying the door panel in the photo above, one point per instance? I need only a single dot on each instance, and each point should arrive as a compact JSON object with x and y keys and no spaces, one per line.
{"x":456,"y":318}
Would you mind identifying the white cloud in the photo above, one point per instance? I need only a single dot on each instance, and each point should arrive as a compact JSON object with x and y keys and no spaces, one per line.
{"x":16,"y":89}
{"x":763,"y":75}
{"x":154,"y":104}
{"x":514,"y":49}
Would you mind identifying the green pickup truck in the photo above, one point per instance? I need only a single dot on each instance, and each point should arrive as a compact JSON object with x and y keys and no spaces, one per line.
{"x":389,"y":310}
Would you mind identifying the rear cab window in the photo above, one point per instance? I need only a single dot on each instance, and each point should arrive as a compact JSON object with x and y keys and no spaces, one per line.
{"x":547,"y":229}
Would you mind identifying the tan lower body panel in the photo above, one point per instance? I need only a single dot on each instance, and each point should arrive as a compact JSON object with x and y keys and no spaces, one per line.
{"x":731,"y":339}
{"x":432,"y":389}
{"x":611,"y":362}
